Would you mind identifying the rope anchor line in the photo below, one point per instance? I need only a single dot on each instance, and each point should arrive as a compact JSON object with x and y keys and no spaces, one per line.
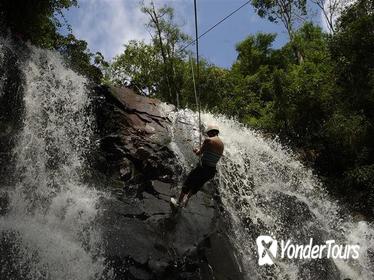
{"x":197,"y":37}
{"x":196,"y":84}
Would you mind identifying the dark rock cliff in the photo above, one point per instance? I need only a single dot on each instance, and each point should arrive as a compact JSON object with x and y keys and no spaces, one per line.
{"x":144,"y":238}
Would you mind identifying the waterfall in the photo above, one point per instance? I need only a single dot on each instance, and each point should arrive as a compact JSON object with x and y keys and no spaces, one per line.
{"x":266,"y":191}
{"x":49,"y":230}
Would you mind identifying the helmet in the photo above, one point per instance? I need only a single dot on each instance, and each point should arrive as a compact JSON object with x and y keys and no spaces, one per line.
{"x":212,"y":127}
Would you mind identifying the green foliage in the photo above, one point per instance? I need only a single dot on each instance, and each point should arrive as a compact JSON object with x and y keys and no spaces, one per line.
{"x":312,"y":43}
{"x":251,"y":77}
{"x":350,"y":132}
{"x":362,"y":177}
{"x":140,"y":64}
{"x":79,"y":57}
{"x":360,"y":182}
{"x":38,"y":21}
{"x":156,"y":68}
{"x":166,"y":40}
{"x":276,"y":10}
{"x":317,"y":91}
{"x":289,"y":13}
{"x":167,"y":35}
{"x":301,"y":101}
{"x":213,"y":86}
{"x":254,"y":52}
{"x":352,"y":51}
{"x":35,"y":20}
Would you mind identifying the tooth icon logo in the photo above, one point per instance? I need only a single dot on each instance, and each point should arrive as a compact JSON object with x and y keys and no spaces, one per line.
{"x":267,"y":249}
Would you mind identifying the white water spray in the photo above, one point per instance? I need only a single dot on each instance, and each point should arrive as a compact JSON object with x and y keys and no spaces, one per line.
{"x":51,"y":212}
{"x":267,"y":191}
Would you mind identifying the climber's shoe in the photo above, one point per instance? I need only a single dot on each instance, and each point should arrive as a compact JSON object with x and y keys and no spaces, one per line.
{"x":174,"y":202}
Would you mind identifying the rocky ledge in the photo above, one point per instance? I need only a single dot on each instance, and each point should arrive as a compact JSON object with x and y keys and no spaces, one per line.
{"x":144,"y":238}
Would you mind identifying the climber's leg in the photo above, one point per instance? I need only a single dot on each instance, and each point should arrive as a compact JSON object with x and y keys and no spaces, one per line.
{"x":181,"y":196}
{"x":193,"y":183}
{"x":185,"y":200}
{"x":177,"y":203}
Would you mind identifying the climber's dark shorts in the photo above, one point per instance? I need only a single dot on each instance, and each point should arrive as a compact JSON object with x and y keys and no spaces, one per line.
{"x":197,"y":178}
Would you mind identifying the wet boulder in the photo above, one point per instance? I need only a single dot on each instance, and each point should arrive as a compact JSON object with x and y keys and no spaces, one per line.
{"x":145,"y":238}
{"x":133,"y":127}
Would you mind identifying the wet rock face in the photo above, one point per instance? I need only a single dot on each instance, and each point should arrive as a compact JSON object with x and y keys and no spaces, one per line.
{"x":133,"y":128}
{"x":144,"y":238}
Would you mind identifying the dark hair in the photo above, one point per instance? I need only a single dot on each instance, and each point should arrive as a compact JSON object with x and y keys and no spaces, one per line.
{"x":215,"y":131}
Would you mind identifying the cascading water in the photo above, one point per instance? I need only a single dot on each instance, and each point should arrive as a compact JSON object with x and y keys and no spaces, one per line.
{"x":266,"y":191}
{"x":48,"y":230}
{"x":49,"y":226}
{"x":2,"y":74}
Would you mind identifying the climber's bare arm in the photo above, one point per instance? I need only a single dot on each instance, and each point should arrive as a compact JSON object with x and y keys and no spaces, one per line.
{"x":198,"y":151}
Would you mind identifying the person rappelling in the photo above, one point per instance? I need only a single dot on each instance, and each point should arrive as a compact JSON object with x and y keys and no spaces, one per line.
{"x":211,"y":152}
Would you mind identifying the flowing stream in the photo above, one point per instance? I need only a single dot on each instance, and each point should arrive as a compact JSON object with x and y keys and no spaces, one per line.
{"x":267,"y":191}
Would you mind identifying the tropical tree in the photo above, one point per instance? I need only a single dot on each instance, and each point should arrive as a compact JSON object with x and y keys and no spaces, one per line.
{"x":289,"y":12}
{"x":35,"y":20}
{"x":39,"y":22}
{"x":139,"y":65}
{"x":331,"y":10}
{"x":351,"y":130}
{"x":166,"y":38}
